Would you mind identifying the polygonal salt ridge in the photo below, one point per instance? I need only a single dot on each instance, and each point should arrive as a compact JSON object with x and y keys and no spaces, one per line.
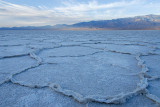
{"x":76,"y":96}
{"x":120,"y":67}
{"x":44,"y":46}
{"x":93,"y":51}
{"x":109,"y":42}
{"x":153,"y":97}
{"x":103,"y":46}
{"x":144,"y":80}
{"x":117,"y":99}
{"x":98,"y":49}
{"x":60,"y":46}
{"x":120,"y":98}
{"x":38,"y":50}
{"x":80,"y":55}
{"x":3,"y":78}
{"x":145,"y":68}
{"x":149,"y":95}
{"x":10,"y":77}
{"x":12,"y":50}
{"x":33,"y":56}
{"x":15,"y":95}
{"x":151,"y":78}
{"x":12,"y":56}
{"x":26,"y":53}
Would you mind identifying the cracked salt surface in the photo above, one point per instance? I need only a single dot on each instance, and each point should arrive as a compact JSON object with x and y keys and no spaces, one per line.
{"x":79,"y":68}
{"x":90,"y":75}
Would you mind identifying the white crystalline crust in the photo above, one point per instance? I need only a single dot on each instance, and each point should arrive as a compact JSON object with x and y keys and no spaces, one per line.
{"x":36,"y":53}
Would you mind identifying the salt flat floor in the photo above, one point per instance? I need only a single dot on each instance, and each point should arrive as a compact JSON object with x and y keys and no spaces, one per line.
{"x":79,"y":68}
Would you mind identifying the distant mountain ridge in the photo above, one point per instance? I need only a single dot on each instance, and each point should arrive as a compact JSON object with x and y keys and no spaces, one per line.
{"x":146,"y":22}
{"x":131,"y":23}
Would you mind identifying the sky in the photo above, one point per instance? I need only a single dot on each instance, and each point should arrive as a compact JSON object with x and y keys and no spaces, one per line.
{"x":51,"y":12}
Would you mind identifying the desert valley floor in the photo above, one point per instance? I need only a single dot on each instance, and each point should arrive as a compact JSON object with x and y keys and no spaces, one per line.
{"x":79,"y":68}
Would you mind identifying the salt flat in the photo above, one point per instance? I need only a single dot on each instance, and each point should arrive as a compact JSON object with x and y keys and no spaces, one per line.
{"x":79,"y":68}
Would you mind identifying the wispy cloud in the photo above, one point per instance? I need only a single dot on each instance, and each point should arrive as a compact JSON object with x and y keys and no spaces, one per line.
{"x":92,"y":5}
{"x":70,"y":12}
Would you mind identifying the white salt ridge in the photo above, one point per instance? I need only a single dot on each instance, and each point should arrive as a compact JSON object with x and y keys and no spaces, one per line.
{"x":147,"y":48}
{"x":13,"y":51}
{"x":117,"y":99}
{"x":10,"y":76}
{"x":121,"y":98}
{"x":58,"y":72}
{"x":142,"y":76}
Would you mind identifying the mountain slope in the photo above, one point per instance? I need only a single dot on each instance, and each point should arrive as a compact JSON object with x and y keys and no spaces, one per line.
{"x":138,"y":22}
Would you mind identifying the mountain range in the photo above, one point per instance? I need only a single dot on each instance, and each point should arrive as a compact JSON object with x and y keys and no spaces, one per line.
{"x":146,"y":22}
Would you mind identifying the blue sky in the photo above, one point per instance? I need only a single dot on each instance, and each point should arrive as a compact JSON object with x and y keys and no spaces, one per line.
{"x":52,"y":12}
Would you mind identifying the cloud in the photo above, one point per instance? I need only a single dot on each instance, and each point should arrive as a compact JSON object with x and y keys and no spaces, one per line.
{"x":70,"y":12}
{"x":92,"y":5}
